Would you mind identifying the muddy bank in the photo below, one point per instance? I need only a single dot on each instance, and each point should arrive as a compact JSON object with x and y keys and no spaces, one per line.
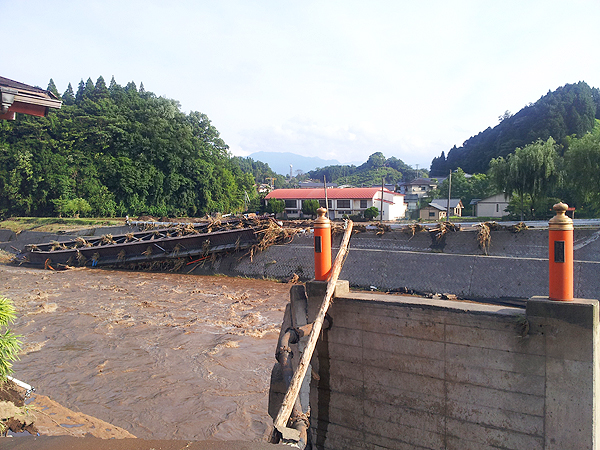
{"x":164,"y":356}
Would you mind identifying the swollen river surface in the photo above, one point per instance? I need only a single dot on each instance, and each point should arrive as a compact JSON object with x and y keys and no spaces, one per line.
{"x":165,"y":356}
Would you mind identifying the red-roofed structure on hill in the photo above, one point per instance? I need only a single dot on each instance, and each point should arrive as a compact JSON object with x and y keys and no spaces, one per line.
{"x":18,"y":97}
{"x":342,"y":201}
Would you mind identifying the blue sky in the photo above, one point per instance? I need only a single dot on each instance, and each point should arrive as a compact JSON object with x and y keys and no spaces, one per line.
{"x":335,"y":79}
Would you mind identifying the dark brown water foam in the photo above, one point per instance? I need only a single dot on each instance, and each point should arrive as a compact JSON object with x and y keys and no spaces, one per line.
{"x":165,"y":356}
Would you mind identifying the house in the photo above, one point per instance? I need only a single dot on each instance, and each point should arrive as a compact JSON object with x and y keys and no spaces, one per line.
{"x":340,"y":202}
{"x":494,"y":206}
{"x":389,"y":187}
{"x":419,"y":186}
{"x":314,"y":185}
{"x":412,"y":203}
{"x":434,"y":210}
{"x":22,"y":98}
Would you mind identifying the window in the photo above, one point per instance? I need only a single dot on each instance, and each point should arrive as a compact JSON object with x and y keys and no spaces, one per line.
{"x":363,"y":203}
{"x":431,"y":214}
{"x":290,"y":204}
{"x":343,"y":204}
{"x":322,"y":204}
{"x":497,"y":207}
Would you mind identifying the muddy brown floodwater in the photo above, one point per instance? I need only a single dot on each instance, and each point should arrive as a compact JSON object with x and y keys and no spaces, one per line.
{"x":165,"y":356}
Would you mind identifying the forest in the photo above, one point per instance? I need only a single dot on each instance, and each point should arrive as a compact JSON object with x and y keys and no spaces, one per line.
{"x":370,"y":173}
{"x":121,"y":150}
{"x":569,"y":111}
{"x":116,"y":150}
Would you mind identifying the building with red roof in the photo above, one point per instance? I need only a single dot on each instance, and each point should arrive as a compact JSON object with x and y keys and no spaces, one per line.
{"x":16,"y":97}
{"x":343,"y":201}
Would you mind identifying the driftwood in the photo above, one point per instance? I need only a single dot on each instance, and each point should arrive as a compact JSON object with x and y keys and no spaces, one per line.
{"x":292,"y":393}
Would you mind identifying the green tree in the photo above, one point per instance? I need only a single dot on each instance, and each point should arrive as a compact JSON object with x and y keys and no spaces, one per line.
{"x":309,"y":207}
{"x":371,"y":213}
{"x":9,"y":342}
{"x":275,"y":206}
{"x":582,"y":162}
{"x":100,"y":89}
{"x":123,"y":153}
{"x":80,"y":91}
{"x":375,"y":161}
{"x":52,"y":88}
{"x":68,"y":96}
{"x":531,"y":170}
{"x":466,"y":188}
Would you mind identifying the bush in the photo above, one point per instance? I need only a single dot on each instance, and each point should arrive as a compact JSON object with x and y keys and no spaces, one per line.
{"x":275,"y":206}
{"x":309,"y":207}
{"x":371,"y":213}
{"x":73,"y":207}
{"x":9,"y":342}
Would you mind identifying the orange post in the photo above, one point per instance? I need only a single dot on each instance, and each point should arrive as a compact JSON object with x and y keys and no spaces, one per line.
{"x":322,"y":231}
{"x":561,"y":254}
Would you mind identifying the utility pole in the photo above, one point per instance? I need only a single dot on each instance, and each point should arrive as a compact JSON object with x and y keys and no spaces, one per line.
{"x":381,"y":212}
{"x":326,"y":199}
{"x":449,"y":192}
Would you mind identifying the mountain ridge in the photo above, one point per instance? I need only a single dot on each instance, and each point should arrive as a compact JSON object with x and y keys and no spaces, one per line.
{"x":280,"y":162}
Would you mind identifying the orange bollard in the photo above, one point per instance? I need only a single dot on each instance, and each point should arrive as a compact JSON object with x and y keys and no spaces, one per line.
{"x":561,"y":254}
{"x":322,"y":231}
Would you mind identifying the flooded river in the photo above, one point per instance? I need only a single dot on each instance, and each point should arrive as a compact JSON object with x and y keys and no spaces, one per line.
{"x":165,"y":356}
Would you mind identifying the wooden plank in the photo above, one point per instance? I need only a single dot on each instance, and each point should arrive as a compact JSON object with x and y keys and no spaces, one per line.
{"x":294,"y":388}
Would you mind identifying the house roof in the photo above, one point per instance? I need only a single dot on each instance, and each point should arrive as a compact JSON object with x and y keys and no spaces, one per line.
{"x":443,"y":203}
{"x":500,"y":197}
{"x":388,"y":186}
{"x":21,"y":98}
{"x":313,"y":185}
{"x":435,"y":206}
{"x":418,"y":181}
{"x":332,"y":193}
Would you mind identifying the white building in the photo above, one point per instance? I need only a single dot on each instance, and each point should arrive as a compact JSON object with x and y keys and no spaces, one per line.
{"x":347,"y":201}
{"x":493,"y":206}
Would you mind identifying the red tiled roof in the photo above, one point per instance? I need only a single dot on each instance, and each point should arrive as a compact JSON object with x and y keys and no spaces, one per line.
{"x":332,"y":193}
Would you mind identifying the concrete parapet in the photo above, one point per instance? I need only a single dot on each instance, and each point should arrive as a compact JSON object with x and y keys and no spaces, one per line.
{"x":571,"y":337}
{"x":412,"y":373}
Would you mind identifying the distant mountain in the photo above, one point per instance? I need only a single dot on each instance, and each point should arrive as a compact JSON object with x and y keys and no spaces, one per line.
{"x":569,"y":110}
{"x":280,"y":162}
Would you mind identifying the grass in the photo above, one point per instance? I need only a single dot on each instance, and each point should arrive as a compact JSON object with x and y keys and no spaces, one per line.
{"x":54,"y":224}
{"x":5,"y":257}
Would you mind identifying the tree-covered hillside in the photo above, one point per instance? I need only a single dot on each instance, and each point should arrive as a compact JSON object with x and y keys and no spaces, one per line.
{"x":570,"y":110}
{"x":113,"y":150}
{"x":369,"y":173}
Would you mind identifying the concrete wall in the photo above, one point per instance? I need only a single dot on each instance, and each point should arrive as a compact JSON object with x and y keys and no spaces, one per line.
{"x":516,"y":264}
{"x":398,"y":372}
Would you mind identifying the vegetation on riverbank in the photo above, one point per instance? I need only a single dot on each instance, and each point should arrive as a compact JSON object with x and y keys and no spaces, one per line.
{"x":113,"y":150}
{"x":54,"y":224}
